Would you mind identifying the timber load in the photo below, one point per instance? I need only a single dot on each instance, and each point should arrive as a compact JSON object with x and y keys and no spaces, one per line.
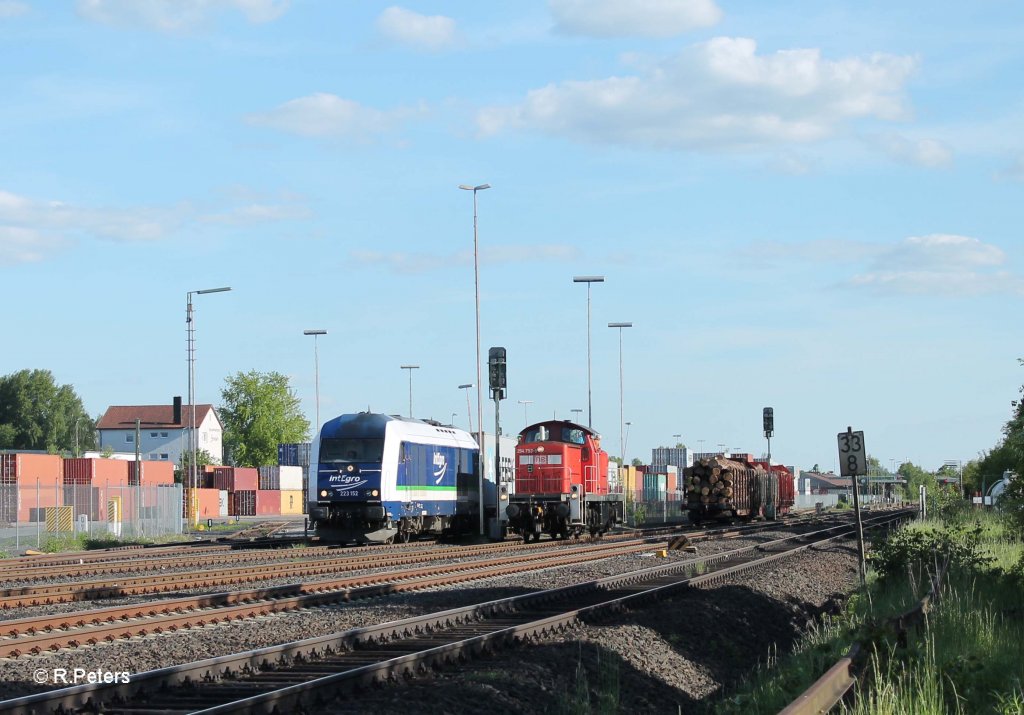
{"x":724,"y":487}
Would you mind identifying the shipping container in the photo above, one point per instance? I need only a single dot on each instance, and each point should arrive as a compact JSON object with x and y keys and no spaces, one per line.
{"x":293,"y":454}
{"x":268,"y":502}
{"x":96,"y":472}
{"x":291,"y":478}
{"x":236,"y":479}
{"x":270,"y":477}
{"x":207,"y":502}
{"x":25,"y":468}
{"x":293,"y":502}
{"x":222,"y":503}
{"x":31,"y":502}
{"x":242,"y":503}
{"x":153,"y":473}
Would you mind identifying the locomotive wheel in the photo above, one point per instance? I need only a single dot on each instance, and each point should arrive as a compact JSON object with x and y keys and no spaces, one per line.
{"x":404,"y":536}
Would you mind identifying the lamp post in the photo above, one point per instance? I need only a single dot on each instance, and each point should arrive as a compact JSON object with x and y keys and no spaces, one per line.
{"x":625,"y":443}
{"x":316,"y":367}
{"x":469,"y":410}
{"x":721,"y":448}
{"x":622,"y":444}
{"x":588,"y":280}
{"x":479,"y":382}
{"x":453,"y":418}
{"x":410,"y":368}
{"x":525,"y":404}
{"x":576,"y":411}
{"x":78,"y":452}
{"x":190,"y":331}
{"x":700,"y":446}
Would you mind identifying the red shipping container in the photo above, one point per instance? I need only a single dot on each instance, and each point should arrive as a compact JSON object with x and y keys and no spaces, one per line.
{"x":25,"y":468}
{"x":152,"y":473}
{"x":268,"y":502}
{"x":243,"y":503}
{"x":97,"y":472}
{"x":236,"y":479}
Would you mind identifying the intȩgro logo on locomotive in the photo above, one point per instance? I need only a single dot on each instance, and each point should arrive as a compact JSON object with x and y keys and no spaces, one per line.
{"x":347,"y":481}
{"x":440,"y":466}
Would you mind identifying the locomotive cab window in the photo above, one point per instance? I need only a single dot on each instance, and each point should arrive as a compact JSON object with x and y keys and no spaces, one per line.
{"x":572,"y":435}
{"x":351,"y":450}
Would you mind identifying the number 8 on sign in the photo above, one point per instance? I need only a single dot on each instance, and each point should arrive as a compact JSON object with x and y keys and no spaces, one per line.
{"x":852,"y":456}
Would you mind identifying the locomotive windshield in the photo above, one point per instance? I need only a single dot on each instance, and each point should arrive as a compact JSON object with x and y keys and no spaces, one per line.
{"x":349,"y":449}
{"x":571,"y":435}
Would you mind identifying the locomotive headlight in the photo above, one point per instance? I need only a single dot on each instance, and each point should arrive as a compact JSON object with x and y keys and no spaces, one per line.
{"x":504,"y":497}
{"x":540,"y":448}
{"x":374,"y":493}
{"x":574,"y":495}
{"x":323,"y":492}
{"x":350,"y":467}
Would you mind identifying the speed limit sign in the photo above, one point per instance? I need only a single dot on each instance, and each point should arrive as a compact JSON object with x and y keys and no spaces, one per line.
{"x":852,"y":455}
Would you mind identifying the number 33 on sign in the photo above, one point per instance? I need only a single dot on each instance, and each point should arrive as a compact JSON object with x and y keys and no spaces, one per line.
{"x":852,"y":456}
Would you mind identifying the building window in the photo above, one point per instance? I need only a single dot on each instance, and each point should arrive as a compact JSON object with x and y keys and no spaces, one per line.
{"x":152,"y":434}
{"x":129,"y":437}
{"x":163,"y":434}
{"x":163,"y":456}
{"x":152,"y":455}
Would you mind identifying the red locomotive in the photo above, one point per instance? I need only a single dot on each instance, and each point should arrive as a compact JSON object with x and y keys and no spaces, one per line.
{"x":561,"y":483}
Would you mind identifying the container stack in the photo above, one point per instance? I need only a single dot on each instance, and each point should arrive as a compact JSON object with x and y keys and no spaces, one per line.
{"x":153,"y":473}
{"x":25,"y":480}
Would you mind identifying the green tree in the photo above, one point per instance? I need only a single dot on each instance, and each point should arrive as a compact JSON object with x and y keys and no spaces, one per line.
{"x":1008,"y":455}
{"x":38,"y":414}
{"x":917,"y":476}
{"x":260,"y":410}
{"x":203,"y":458}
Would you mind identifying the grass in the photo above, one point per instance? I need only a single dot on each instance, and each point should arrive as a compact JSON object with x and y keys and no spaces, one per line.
{"x":967,"y":657}
{"x":85,"y":542}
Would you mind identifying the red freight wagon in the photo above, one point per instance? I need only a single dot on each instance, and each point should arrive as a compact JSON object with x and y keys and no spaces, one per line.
{"x":268,"y":502}
{"x":26,"y":468}
{"x":97,"y":472}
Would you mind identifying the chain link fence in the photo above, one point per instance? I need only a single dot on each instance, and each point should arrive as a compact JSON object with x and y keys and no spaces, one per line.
{"x":33,"y":517}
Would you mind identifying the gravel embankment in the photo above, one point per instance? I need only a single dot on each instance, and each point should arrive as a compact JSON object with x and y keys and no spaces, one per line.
{"x":677,"y":652}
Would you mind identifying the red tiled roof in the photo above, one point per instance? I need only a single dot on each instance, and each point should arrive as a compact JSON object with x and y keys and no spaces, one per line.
{"x":124,"y":416}
{"x":832,"y":479}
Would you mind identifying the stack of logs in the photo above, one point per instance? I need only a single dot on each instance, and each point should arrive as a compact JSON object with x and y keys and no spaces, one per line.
{"x":711,"y":480}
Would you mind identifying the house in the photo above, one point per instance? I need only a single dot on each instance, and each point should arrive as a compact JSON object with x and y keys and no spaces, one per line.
{"x":814,"y":483}
{"x":163,"y":431}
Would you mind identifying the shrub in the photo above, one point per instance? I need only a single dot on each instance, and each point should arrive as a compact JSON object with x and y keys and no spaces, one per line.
{"x":914,"y":550}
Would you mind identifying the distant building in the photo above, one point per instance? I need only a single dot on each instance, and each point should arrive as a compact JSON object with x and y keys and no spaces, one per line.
{"x":163,"y":431}
{"x":815,"y":483}
{"x":676,"y":456}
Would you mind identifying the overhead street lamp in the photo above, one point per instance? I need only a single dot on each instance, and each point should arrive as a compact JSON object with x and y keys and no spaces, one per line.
{"x":410,"y":368}
{"x":316,"y":366}
{"x":525,"y":404}
{"x":625,"y":443}
{"x":622,"y":443}
{"x":588,"y":280}
{"x":190,"y":332}
{"x":479,"y":381}
{"x":469,"y":410}
{"x":576,"y":411}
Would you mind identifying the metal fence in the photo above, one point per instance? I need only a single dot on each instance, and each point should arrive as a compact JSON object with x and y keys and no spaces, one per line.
{"x":653,"y":507}
{"x":32,"y":516}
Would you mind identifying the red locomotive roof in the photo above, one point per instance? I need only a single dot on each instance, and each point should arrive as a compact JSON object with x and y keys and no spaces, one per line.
{"x":560,"y":423}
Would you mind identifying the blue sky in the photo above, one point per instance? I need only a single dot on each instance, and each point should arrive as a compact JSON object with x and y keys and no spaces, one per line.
{"x":809,"y":205}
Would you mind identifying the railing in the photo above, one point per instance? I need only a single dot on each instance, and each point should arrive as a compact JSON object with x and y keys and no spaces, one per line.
{"x":839,"y":680}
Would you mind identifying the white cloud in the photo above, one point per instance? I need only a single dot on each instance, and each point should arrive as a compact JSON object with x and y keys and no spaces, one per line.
{"x":643,"y":18}
{"x":328,"y":115}
{"x":402,"y":262}
{"x":929,"y":153}
{"x":30,"y":229}
{"x":715,"y":95}
{"x":940,"y":263}
{"x":175,"y":15}
{"x":423,"y":32}
{"x":12,"y":8}
{"x":23,"y":245}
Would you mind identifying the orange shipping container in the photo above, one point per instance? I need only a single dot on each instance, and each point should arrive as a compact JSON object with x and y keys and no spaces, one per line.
{"x":208,"y":502}
{"x":26,"y":468}
{"x":291,"y":501}
{"x":32,"y":502}
{"x":97,"y":472}
{"x":152,"y":473}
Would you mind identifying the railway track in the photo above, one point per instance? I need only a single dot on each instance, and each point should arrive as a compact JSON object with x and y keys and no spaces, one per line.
{"x":305,"y":676}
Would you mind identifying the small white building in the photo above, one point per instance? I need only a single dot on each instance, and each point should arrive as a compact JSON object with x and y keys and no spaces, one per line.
{"x":163,"y":431}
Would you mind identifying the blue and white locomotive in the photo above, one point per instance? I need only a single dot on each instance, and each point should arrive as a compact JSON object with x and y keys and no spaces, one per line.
{"x":377,"y":478}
